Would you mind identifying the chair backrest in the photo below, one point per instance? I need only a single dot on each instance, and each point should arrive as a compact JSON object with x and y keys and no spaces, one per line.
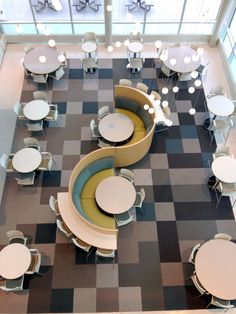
{"x":35,"y":262}
{"x":102,"y":144}
{"x":126,"y":173}
{"x":90,"y":36}
{"x":53,"y":204}
{"x":92,"y":124}
{"x":81,"y":244}
{"x":59,"y":73}
{"x":28,"y":48}
{"x":103,"y":111}
{"x":222,"y":150}
{"x":223,"y":236}
{"x":142,"y":193}
{"x":197,"y":284}
{"x":13,"y":284}
{"x":193,"y":253}
{"x":125,"y":82}
{"x":105,"y":252}
{"x":135,"y":37}
{"x":40,"y":95}
{"x":4,"y":160}
{"x":136,"y":63}
{"x":39,"y":78}
{"x":63,"y":228}
{"x":165,"y":70}
{"x":156,"y":95}
{"x":30,"y":141}
{"x":17,"y":108}
{"x":35,"y":127}
{"x":225,"y":304}
{"x":14,"y":234}
{"x":143,"y":87}
{"x":26,"y":178}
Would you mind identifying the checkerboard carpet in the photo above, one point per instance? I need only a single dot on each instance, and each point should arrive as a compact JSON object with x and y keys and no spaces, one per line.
{"x":178,"y":212}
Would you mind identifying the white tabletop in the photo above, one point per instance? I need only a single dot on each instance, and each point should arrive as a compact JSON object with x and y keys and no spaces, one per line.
{"x":220,"y":106}
{"x":224,"y":168}
{"x":36,"y":110}
{"x":89,"y":46}
{"x":15,"y":259}
{"x":116,"y":127}
{"x":135,"y":46}
{"x":32,"y":63}
{"x":179,"y":53}
{"x":26,"y":160}
{"x":115,"y":195}
{"x":215,"y":268}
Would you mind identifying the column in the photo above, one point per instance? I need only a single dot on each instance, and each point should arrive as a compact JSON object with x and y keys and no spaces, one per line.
{"x":108,"y":23}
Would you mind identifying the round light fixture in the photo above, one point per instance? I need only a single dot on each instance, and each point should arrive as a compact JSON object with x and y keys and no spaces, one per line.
{"x":110,"y":48}
{"x":194,"y":74}
{"x":42,"y":59}
{"x":192,"y":111}
{"x":51,"y":43}
{"x":165,"y":104}
{"x":175,"y":89}
{"x":151,"y":110}
{"x":198,"y":83}
{"x":164,"y":90}
{"x":187,"y":59}
{"x":200,"y":51}
{"x":61,"y":57}
{"x":195,"y":57}
{"x":191,"y":90}
{"x":118,"y":44}
{"x":158,"y":44}
{"x":109,"y":8}
{"x":19,"y":28}
{"x":146,"y":107}
{"x":173,"y":61}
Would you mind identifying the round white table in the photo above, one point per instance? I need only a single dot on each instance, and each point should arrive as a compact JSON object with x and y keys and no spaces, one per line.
{"x":115,"y":195}
{"x":116,"y":127}
{"x":224,"y":168}
{"x":26,"y":160}
{"x":179,"y":53}
{"x":220,"y":106}
{"x":89,"y":47}
{"x":135,"y":47}
{"x":215,"y":268}
{"x":36,"y":110}
{"x":32,"y":63}
{"x":15,"y":259}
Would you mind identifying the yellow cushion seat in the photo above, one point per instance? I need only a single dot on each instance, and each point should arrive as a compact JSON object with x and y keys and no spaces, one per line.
{"x":137,"y":136}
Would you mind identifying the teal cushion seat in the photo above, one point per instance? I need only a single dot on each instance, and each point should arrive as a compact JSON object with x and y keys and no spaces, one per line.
{"x":100,"y":164}
{"x":126,"y":103}
{"x":77,"y":203}
{"x":80,"y":181}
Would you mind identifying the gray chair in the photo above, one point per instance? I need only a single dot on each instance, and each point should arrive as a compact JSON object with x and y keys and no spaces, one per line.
{"x":102,"y":143}
{"x":35,"y":262}
{"x":222,"y":150}
{"x":35,"y":127}
{"x":103,"y":111}
{"x":222,"y":127}
{"x":94,"y":130}
{"x":40,"y":95}
{"x":31,"y":142}
{"x":25,"y":178}
{"x":198,"y":285}
{"x":194,"y":253}
{"x":53,"y":114}
{"x":63,"y":228}
{"x":139,"y":198}
{"x":83,"y":246}
{"x":223,"y":304}
{"x":135,"y":37}
{"x":214,"y":91}
{"x":123,"y":218}
{"x":47,"y":162}
{"x":125,"y":82}
{"x":58,"y":74}
{"x":143,"y":87}
{"x":90,"y":36}
{"x":223,"y":236}
{"x":185,"y":77}
{"x":15,"y":236}
{"x":6,"y":162}
{"x":105,"y":253}
{"x":40,"y":78}
{"x":167,"y":71}
{"x":89,"y":65}
{"x":225,"y":189}
{"x":135,"y":65}
{"x":13,"y":285}
{"x":53,"y":205}
{"x":18,"y":108}
{"x":126,"y":173}
{"x":28,"y":48}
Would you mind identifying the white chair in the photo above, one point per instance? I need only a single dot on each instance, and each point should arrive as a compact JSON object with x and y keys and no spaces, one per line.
{"x":214,"y":91}
{"x":135,"y":65}
{"x":53,"y":205}
{"x":28,"y":48}
{"x":81,"y":244}
{"x":31,"y":142}
{"x":90,"y":36}
{"x":89,"y":65}
{"x":94,"y":129}
{"x":156,"y":95}
{"x":63,"y":228}
{"x":103,"y":144}
{"x":40,"y":78}
{"x":139,"y":198}
{"x":125,"y":82}
{"x":198,"y":285}
{"x":223,"y":304}
{"x":223,"y":236}
{"x":6,"y":162}
{"x":221,"y":127}
{"x":135,"y":37}
{"x":194,"y":253}
{"x":222,"y":150}
{"x":185,"y":76}
{"x":15,"y":236}
{"x":13,"y":285}
{"x":53,"y":114}
{"x":35,"y":127}
{"x":18,"y":108}
{"x":25,"y":178}
{"x":40,"y":95}
{"x":225,"y":189}
{"x":142,"y":87}
{"x":46,"y":163}
{"x":35,"y":262}
{"x":123,"y":219}
{"x":58,"y":74}
{"x":105,"y":253}
{"x":103,"y":111}
{"x":167,"y":71}
{"x":126,"y":173}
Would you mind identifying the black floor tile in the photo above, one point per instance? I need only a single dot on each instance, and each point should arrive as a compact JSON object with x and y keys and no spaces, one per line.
{"x":175,"y":298}
{"x":45,"y":233}
{"x":162,"y":193}
{"x":185,"y":160}
{"x":62,"y":300}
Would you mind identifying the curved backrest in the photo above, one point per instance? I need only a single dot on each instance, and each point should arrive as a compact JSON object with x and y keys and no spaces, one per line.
{"x":17,"y":107}
{"x":52,"y":203}
{"x":81,"y":244}
{"x":125,"y":82}
{"x":92,"y":124}
{"x":142,"y":87}
{"x":39,"y":95}
{"x":142,"y":193}
{"x":4,"y":160}
{"x":90,"y":36}
{"x":28,"y":48}
{"x":126,"y":173}
{"x":28,"y":141}
{"x":105,"y":253}
{"x":156,"y":95}
{"x":221,"y":149}
{"x":14,"y":233}
{"x":223,"y":236}
{"x":135,"y":37}
{"x":103,"y":111}
{"x":217,"y":90}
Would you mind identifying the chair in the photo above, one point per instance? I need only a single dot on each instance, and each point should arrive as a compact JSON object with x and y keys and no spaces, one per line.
{"x":40,"y":95}
{"x":225,"y":189}
{"x":126,"y":173}
{"x":53,"y":205}
{"x":28,"y":48}
{"x":142,"y":87}
{"x":123,"y":219}
{"x":219,"y":126}
{"x":222,"y":150}
{"x":224,"y":304}
{"x":40,"y":78}
{"x":223,"y":236}
{"x":139,"y":198}
{"x":64,"y":63}
{"x":90,"y":36}
{"x":18,"y":108}
{"x":25,"y":178}
{"x":104,"y":253}
{"x":89,"y":65}
{"x":53,"y":113}
{"x":156,"y":95}
{"x":13,"y":284}
{"x":102,"y":143}
{"x":35,"y":127}
{"x":63,"y":228}
{"x":103,"y":111}
{"x":135,"y":65}
{"x":167,"y":71}
{"x":198,"y":285}
{"x":58,"y":73}
{"x":125,"y":82}
{"x":46,"y":163}
{"x":81,"y":244}
{"x":185,"y":77}
{"x":194,"y":253}
{"x":94,"y":130}
{"x":214,"y":91}
{"x":31,"y":142}
{"x":6,"y":162}
{"x":35,"y":262}
{"x":135,"y":37}
{"x":15,"y":236}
